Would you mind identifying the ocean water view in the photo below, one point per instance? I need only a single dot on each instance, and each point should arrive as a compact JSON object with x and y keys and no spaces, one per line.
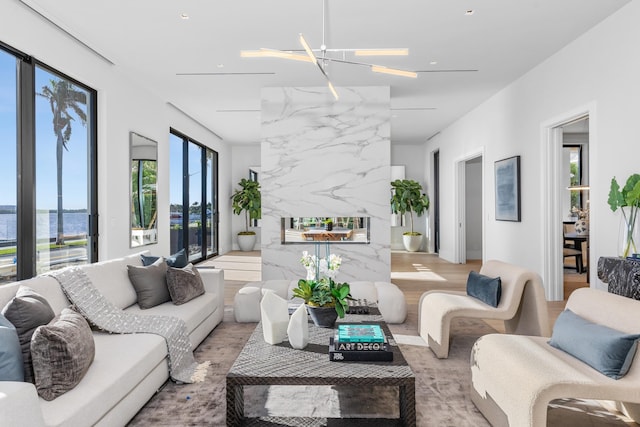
{"x":75,"y":223}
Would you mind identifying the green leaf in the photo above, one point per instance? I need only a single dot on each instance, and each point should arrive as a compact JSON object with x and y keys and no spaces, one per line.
{"x":631,"y":197}
{"x":615,"y":196}
{"x":340,"y":310}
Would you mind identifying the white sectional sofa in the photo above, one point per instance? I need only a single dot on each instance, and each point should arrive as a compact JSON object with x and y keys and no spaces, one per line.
{"x":127,"y":368}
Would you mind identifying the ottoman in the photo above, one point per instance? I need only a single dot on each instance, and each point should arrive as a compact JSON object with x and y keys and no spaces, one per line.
{"x":388,"y":297}
{"x":246,"y":303}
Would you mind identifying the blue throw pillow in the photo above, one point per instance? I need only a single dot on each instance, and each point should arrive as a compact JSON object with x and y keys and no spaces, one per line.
{"x":604,"y":349}
{"x":177,"y":260}
{"x":486,"y":289}
{"x":147,"y":260}
{"x":11,"y":367}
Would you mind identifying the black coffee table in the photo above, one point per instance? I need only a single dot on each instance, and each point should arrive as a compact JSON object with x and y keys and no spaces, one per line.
{"x":260,"y":363}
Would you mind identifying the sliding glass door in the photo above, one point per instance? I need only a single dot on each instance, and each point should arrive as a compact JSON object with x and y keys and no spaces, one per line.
{"x":193,"y":198}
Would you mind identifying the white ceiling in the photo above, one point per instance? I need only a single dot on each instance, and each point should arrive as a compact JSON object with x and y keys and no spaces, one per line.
{"x":195,"y":64}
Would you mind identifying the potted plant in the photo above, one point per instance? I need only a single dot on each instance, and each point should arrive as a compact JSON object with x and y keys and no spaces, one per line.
{"x":326,"y":300}
{"x":407,"y":196}
{"x":247,"y":199}
{"x":629,"y":198}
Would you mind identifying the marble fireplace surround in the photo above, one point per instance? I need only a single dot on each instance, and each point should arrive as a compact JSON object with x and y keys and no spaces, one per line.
{"x":322,"y":155}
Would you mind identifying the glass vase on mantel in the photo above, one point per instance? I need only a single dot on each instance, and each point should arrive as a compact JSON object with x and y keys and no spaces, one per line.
{"x":629,"y":235}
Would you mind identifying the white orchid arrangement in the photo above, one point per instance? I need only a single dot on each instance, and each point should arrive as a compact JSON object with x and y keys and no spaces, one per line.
{"x":323,"y":267}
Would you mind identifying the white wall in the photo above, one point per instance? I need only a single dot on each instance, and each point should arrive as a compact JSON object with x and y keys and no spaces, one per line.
{"x":599,"y":69}
{"x":123,"y":106}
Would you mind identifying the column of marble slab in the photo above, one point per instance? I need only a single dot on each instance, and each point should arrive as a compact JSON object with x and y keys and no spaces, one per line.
{"x":325,"y":158}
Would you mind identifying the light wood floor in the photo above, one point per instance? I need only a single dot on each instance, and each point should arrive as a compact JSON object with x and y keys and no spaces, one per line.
{"x":415,"y":273}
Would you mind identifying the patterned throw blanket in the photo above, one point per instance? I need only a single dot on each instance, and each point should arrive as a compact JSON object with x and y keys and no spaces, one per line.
{"x":100,"y":312}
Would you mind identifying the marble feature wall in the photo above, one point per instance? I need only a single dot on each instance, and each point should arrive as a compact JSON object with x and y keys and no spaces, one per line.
{"x":329,"y":158}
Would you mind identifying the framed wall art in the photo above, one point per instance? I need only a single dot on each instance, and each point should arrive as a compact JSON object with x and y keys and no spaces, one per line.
{"x":508,"y":189}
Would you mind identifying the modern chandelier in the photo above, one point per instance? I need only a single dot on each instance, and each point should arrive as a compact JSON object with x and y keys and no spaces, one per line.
{"x":322,"y":56}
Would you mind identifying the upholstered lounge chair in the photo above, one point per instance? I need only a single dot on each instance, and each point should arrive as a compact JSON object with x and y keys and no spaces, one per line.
{"x":522,"y":307}
{"x":513,"y":377}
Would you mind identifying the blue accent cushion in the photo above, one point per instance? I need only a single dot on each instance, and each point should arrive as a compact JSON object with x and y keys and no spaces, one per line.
{"x":177,"y":260}
{"x":486,"y":289}
{"x":11,"y":367}
{"x":604,"y":349}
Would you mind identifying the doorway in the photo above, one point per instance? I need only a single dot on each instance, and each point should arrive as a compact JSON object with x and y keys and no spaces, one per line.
{"x":473,"y":208}
{"x":470,"y":209}
{"x":555,"y":133}
{"x":575,"y":203}
{"x":436,"y":202}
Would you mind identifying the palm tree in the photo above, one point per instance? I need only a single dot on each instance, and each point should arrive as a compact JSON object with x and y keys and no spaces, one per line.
{"x":63,"y":96}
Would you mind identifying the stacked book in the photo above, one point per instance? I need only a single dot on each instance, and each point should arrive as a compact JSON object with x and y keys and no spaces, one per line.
{"x":358,"y":342}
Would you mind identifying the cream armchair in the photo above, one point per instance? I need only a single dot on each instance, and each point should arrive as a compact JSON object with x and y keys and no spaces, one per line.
{"x":514,"y":377}
{"x":522,"y":307}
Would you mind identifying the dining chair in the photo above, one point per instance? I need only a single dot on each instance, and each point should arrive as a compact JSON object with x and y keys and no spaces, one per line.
{"x":570,"y":252}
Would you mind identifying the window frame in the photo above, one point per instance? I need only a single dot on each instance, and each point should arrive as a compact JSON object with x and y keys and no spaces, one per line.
{"x":207,"y":183}
{"x":26,"y":161}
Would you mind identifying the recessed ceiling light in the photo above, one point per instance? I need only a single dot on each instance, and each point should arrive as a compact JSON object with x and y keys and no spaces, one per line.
{"x":184,"y":16}
{"x":469,"y":12}
{"x":220,"y":65}
{"x":433,"y":62}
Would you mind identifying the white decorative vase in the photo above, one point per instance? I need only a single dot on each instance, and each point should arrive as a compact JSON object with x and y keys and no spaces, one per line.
{"x":298,"y":329}
{"x":582,"y":226}
{"x":274,"y":314}
{"x":412,"y":243}
{"x":246,"y":242}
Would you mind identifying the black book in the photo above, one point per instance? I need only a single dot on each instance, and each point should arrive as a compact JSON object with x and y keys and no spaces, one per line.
{"x":340,"y":345}
{"x":359,"y":356}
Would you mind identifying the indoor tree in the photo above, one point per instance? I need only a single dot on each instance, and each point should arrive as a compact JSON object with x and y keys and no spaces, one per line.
{"x":407,"y":196}
{"x":247,"y":199}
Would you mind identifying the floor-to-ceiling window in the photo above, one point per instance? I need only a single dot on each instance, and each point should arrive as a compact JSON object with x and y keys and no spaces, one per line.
{"x":48,"y":208}
{"x":193,"y":197}
{"x":8,"y":160}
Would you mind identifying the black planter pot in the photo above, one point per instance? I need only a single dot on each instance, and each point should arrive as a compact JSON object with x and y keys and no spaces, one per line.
{"x":323,"y":317}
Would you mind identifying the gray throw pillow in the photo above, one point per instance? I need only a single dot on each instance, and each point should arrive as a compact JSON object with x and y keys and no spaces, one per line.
{"x":607,"y":350}
{"x":11,"y":367}
{"x":26,"y":311}
{"x":184,"y":284}
{"x":150,"y":283}
{"x":62,"y":353}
